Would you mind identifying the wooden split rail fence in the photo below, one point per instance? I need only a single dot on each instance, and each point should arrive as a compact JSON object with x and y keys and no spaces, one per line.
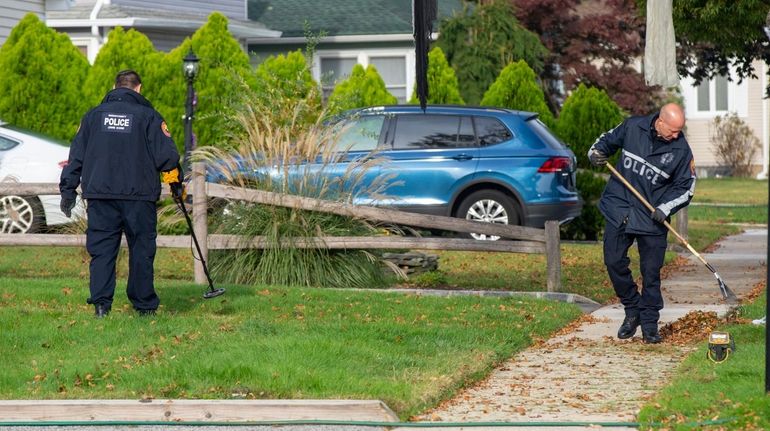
{"x":518,"y":239}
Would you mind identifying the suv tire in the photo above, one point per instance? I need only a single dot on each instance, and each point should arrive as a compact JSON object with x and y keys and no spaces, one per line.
{"x":490,"y":206}
{"x":20,"y":214}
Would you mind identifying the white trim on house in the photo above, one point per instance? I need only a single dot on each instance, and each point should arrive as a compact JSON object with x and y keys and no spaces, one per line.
{"x":737,"y":99}
{"x":92,"y":44}
{"x":363,"y":56}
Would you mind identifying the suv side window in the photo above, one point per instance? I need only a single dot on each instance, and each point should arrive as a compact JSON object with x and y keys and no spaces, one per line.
{"x":6,"y":144}
{"x":491,"y":131}
{"x":420,"y":131}
{"x":360,"y":133}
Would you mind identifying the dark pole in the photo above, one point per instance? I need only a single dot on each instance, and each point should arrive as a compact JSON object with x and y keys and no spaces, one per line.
{"x":188,"y":119}
{"x":190,"y":69}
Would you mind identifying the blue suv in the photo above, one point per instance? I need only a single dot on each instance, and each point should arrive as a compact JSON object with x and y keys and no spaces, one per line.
{"x":488,"y":164}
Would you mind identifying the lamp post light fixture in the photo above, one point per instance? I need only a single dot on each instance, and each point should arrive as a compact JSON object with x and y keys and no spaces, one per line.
{"x":190,"y":67}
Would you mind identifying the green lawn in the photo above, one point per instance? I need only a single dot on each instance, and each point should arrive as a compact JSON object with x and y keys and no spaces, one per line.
{"x":259,"y":342}
{"x":703,"y":390}
{"x":745,"y":191}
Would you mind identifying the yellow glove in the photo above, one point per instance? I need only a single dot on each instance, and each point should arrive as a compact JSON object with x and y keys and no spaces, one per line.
{"x":169,"y":177}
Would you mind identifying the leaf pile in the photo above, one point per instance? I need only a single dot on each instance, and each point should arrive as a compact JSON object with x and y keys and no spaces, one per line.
{"x":693,"y":327}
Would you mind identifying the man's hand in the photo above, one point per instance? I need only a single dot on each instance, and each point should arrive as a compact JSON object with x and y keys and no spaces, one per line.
{"x":66,"y":206}
{"x":172,"y":179}
{"x":658,"y":215}
{"x":177,"y":190}
{"x":597,"y":158}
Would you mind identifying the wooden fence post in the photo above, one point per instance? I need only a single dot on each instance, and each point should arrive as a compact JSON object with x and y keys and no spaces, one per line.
{"x":681,"y":222}
{"x":200,"y":219}
{"x":553,"y":256}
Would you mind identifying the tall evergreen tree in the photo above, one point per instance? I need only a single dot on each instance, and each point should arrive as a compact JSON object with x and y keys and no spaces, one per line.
{"x":517,"y":88}
{"x":442,"y":81}
{"x":224,"y":66}
{"x":480,"y":43}
{"x":362,"y":88}
{"x":587,"y":113}
{"x":124,"y":50}
{"x":41,"y":79}
{"x":285,"y":81}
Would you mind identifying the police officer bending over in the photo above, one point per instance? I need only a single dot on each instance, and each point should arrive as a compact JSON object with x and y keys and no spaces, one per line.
{"x":657,"y":161}
{"x":119,"y":151}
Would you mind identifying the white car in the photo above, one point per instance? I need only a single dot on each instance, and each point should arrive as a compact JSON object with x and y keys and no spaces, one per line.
{"x":29,"y":157}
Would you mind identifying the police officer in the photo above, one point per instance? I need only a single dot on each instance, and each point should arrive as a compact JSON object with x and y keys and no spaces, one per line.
{"x":119,"y":151}
{"x":657,"y":161}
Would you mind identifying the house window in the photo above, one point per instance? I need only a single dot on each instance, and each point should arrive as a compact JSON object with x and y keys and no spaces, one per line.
{"x":393,"y":65}
{"x":712,"y":95}
{"x":393,"y":72}
{"x":334,"y":70}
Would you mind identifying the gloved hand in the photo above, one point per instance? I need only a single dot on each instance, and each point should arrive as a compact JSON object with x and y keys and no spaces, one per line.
{"x":177,"y":190}
{"x":597,"y":158}
{"x":66,"y":206}
{"x":172,"y":179}
{"x":658,"y":215}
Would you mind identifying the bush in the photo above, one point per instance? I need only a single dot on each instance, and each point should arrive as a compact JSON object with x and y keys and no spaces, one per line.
{"x":442,"y":81}
{"x":124,"y":50}
{"x":586,"y":114}
{"x":517,"y":88}
{"x":223,"y":66}
{"x":283,"y":82}
{"x":590,"y":223}
{"x":41,"y":80}
{"x":735,"y":143}
{"x":360,"y":89}
{"x":279,"y":148}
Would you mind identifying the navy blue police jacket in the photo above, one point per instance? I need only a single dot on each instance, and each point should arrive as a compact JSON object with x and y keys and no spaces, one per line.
{"x":662,"y":172}
{"x":119,"y":150}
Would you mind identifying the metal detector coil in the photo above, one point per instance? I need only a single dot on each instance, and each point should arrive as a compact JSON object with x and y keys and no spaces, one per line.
{"x":721,"y":344}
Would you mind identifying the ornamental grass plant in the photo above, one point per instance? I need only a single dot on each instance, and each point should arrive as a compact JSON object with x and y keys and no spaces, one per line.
{"x":275,"y":148}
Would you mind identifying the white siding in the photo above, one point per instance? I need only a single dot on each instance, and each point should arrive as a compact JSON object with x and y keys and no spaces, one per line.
{"x":11,"y":11}
{"x":235,"y":9}
{"x":744,"y":99}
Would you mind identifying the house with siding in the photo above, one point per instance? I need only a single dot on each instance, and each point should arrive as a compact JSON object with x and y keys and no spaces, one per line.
{"x":12,"y":11}
{"x":351,"y":32}
{"x":165,"y":22}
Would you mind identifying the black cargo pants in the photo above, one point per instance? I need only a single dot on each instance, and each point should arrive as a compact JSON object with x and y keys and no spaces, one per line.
{"x":107,"y":221}
{"x":652,"y":251}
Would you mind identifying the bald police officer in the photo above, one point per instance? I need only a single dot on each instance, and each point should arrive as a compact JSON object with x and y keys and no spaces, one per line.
{"x":657,"y":161}
{"x":119,"y":151}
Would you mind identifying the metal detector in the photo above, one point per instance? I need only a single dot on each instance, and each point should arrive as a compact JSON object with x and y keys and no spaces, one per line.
{"x":211,"y":293}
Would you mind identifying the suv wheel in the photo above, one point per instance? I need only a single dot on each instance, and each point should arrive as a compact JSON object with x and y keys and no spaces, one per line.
{"x":489,"y":206}
{"x":20,"y":214}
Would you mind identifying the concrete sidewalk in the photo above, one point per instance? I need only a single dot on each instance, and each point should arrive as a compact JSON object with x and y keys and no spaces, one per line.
{"x":589,"y":375}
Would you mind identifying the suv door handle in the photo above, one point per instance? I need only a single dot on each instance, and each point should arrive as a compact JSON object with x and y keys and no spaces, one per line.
{"x":462,"y":157}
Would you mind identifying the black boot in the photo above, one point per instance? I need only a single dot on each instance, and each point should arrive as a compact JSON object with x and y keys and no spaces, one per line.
{"x":651,"y":335}
{"x":100,"y":310}
{"x":628,"y":328}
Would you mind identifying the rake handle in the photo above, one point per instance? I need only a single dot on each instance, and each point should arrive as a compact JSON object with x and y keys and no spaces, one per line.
{"x":652,"y":209}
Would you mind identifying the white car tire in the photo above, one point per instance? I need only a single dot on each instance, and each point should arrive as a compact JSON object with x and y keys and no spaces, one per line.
{"x":20,"y":214}
{"x":489,"y":206}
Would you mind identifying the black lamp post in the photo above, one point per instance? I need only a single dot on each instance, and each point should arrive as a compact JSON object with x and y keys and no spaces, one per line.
{"x":190,"y":68}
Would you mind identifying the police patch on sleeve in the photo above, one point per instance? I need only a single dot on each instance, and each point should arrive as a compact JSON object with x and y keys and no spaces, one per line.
{"x":164,"y":129}
{"x":692,"y":166}
{"x":117,"y":123}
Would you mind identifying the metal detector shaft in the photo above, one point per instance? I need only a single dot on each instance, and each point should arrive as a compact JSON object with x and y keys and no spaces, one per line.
{"x":180,"y":201}
{"x":726,"y":292}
